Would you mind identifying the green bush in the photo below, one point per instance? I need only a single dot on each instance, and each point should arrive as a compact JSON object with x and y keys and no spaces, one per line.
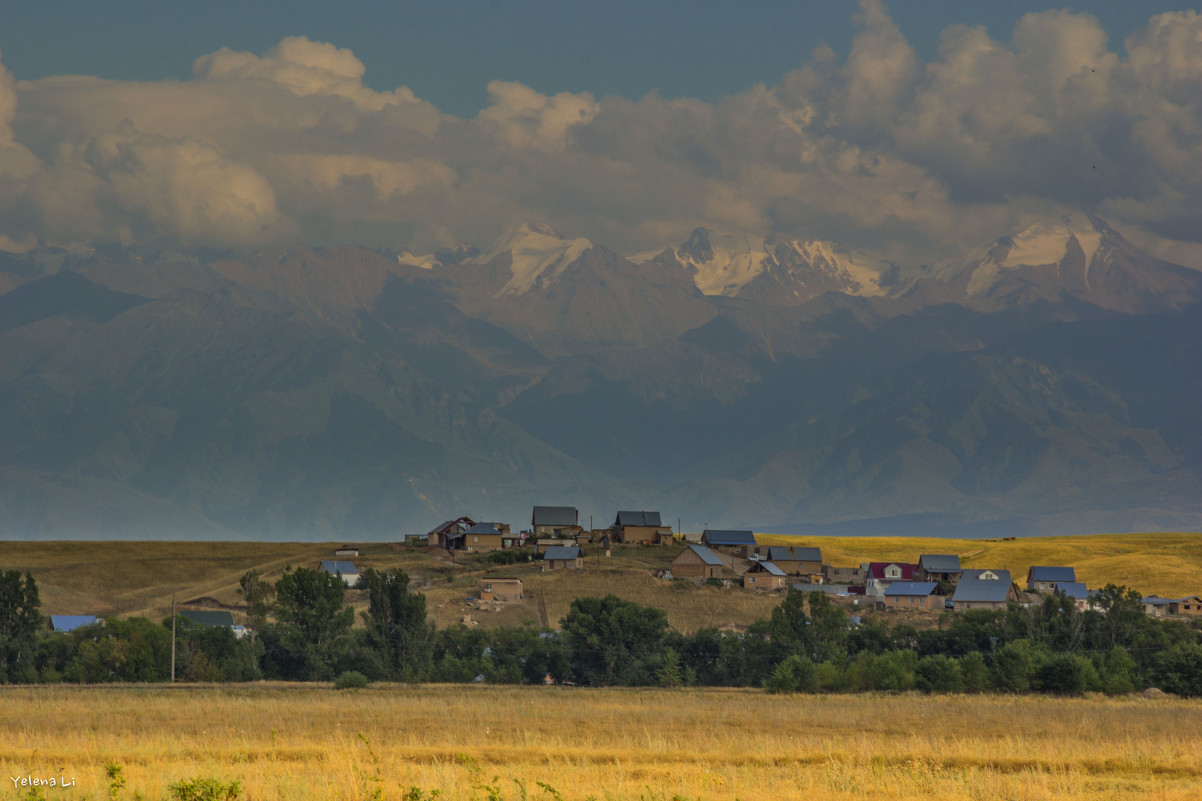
{"x":794,"y":674}
{"x":203,"y":788}
{"x":350,"y":680}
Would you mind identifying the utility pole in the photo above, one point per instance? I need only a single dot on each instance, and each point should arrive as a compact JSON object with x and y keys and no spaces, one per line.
{"x":173,"y":636}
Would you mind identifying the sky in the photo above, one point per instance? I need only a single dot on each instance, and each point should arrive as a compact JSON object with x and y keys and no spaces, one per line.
{"x":916,"y":130}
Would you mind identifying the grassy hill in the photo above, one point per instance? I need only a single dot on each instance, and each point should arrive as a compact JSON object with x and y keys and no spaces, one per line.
{"x":138,"y":578}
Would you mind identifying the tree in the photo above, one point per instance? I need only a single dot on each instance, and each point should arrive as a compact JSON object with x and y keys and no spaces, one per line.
{"x":396,"y":624}
{"x":1179,"y":669}
{"x":20,"y":620}
{"x":258,"y":595}
{"x":793,"y":675}
{"x":1122,"y":613}
{"x":818,"y":632}
{"x":938,"y":674}
{"x":613,"y":641}
{"x":312,"y":619}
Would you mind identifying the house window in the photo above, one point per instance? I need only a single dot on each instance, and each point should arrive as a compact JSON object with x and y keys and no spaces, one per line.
{"x":475,"y":539}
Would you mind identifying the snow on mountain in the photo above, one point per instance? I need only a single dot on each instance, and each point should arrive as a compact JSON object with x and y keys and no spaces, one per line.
{"x":538,"y":254}
{"x":1044,"y":244}
{"x":734,"y":264}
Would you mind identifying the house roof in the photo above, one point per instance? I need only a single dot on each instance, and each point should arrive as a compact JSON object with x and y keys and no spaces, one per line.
{"x":876,"y":570}
{"x":981,"y":590}
{"x":714,"y":536}
{"x":779,"y":553}
{"x":483,"y":528}
{"x":554,"y":516}
{"x":1073,"y":589}
{"x":766,"y":567}
{"x":206,"y":618}
{"x":1154,"y":600}
{"x":922,"y":588}
{"x":1046,"y":573}
{"x":339,"y":566}
{"x":563,"y":552}
{"x":977,"y":572}
{"x":707,"y":556}
{"x":446,"y":525}
{"x":71,"y":622}
{"x":638,"y":519}
{"x":939,"y":563}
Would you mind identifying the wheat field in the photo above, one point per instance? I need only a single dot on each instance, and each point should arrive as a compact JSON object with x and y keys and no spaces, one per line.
{"x":408,"y":742}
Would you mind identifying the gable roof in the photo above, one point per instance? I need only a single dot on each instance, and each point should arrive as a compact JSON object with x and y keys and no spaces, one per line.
{"x":1073,"y":589}
{"x":939,"y":563}
{"x":977,"y":572}
{"x":638,"y":519}
{"x":921,"y":588}
{"x":483,"y":528}
{"x":717,"y":536}
{"x":981,"y":590}
{"x":71,"y":622}
{"x":554,"y":516}
{"x":767,"y":567}
{"x":707,"y":556}
{"x":876,"y":570}
{"x":779,"y":553}
{"x":207,"y":618}
{"x":446,"y":525}
{"x":563,"y":552}
{"x":1046,"y":573}
{"x":339,"y":566}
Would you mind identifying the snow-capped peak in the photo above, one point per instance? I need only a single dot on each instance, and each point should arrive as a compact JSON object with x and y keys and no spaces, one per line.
{"x":538,"y":253}
{"x":1047,"y":242}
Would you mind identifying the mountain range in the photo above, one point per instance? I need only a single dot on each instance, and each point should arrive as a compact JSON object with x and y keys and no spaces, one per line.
{"x":1043,"y":384}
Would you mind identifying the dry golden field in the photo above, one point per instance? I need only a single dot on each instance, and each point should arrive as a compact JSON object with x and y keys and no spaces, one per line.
{"x":305,"y":742}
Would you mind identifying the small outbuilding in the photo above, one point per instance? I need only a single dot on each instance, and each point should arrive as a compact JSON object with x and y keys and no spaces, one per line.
{"x":343,"y":569}
{"x":765,"y":576}
{"x":501,"y":589}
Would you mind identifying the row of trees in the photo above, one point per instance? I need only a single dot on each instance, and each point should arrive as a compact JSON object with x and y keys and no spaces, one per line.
{"x":303,"y":631}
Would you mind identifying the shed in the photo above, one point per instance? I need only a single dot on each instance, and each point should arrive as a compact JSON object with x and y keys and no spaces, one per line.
{"x":71,"y":622}
{"x":500,"y":588}
{"x":559,"y":557}
{"x":1046,"y":579}
{"x":765,"y":576}
{"x":343,"y":569}
{"x":218,"y":618}
{"x":914,"y":594}
{"x":697,"y":561}
{"x":346,"y":550}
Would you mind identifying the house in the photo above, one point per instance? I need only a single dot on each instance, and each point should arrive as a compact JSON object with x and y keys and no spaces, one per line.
{"x":1190,"y":605}
{"x":202,"y":617}
{"x":345,"y":570}
{"x":844,"y":575}
{"x":914,"y":595}
{"x":561,"y":557}
{"x":1155,"y":606}
{"x":1077,"y":591}
{"x":797,"y":561}
{"x":541,"y":546}
{"x":437,"y":536}
{"x":71,"y":622}
{"x":1045,"y":580}
{"x":740,"y":543}
{"x":986,"y":574}
{"x":879,"y":575}
{"x":644,"y":527}
{"x":560,"y":522}
{"x":765,"y":576}
{"x":983,"y":589}
{"x":938,"y":567}
{"x":346,"y":550}
{"x":697,"y":561}
{"x":484,"y":537}
{"x":499,"y":588}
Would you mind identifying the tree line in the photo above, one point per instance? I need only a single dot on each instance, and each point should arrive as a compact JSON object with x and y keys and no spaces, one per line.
{"x":303,"y":630}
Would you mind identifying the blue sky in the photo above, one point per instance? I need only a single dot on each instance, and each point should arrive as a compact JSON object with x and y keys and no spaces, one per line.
{"x":448,"y":51}
{"x":918,"y":131}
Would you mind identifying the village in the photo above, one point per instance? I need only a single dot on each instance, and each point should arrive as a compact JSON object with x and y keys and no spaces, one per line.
{"x":932,"y":584}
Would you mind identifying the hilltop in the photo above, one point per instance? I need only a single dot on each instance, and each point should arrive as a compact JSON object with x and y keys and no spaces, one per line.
{"x":137,"y":578}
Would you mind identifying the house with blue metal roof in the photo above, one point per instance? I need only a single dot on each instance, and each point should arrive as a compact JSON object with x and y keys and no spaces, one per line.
{"x":555,"y":521}
{"x":736,"y":541}
{"x":1046,"y":579}
{"x":71,"y":622}
{"x":974,"y":592}
{"x":343,"y":569}
{"x":796,"y":561}
{"x":765,"y":575}
{"x":939,"y":567}
{"x":561,"y":557}
{"x":914,"y":595}
{"x":697,"y":561}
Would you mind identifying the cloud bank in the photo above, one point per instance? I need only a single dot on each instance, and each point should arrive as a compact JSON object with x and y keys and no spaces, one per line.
{"x":873,"y":148}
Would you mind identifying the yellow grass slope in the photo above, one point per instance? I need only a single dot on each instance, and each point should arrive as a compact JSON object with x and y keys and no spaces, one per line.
{"x":289,"y":742}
